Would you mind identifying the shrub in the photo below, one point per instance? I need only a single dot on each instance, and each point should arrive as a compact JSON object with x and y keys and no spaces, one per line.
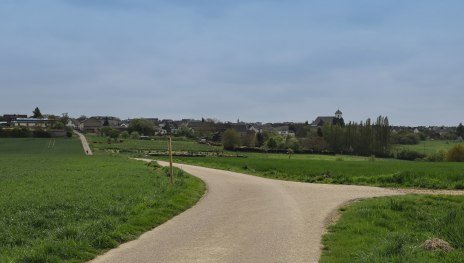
{"x":406,"y":138}
{"x":439,"y":156}
{"x":142,"y":126}
{"x":456,"y":154}
{"x":20,"y":133}
{"x":125,"y":135}
{"x":230,"y":139}
{"x":135,"y":135}
{"x":410,"y":155}
{"x":39,"y":133}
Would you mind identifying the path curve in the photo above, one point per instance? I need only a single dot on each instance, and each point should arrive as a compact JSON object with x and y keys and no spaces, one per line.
{"x":85,"y":144}
{"x":244,"y":218}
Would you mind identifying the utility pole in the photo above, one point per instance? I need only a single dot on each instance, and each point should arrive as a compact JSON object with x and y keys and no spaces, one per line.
{"x":171,"y":170}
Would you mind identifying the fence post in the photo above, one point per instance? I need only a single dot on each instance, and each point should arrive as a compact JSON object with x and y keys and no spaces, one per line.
{"x":171,"y":170}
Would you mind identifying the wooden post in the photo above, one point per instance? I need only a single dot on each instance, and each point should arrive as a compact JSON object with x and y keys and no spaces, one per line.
{"x":171,"y":170}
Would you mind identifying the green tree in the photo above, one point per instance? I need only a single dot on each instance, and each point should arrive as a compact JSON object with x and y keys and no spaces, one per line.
{"x":184,"y":130}
{"x":36,"y":113}
{"x":271,"y":143}
{"x":125,"y":135}
{"x":365,"y":138}
{"x":230,"y":139}
{"x":249,"y":140}
{"x":135,"y":135}
{"x":259,"y":139}
{"x":113,"y":134}
{"x":292,"y":143}
{"x":64,"y":118}
{"x":142,"y":126}
{"x":460,"y":130}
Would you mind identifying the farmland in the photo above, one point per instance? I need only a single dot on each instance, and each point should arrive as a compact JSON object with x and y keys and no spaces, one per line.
{"x":394,"y":229}
{"x":342,"y":170}
{"x":427,"y":147}
{"x":57,"y":205}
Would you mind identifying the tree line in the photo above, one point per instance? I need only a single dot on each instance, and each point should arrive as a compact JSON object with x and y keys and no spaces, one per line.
{"x":359,"y":138}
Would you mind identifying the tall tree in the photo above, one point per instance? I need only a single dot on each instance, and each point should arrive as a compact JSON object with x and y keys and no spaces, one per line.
{"x":460,"y":130}
{"x":36,"y":113}
{"x":230,"y":139}
{"x":365,"y":138}
{"x":142,"y":126}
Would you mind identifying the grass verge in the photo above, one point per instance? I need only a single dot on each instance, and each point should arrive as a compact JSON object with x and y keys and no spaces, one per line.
{"x":394,"y":229}
{"x":342,"y":170}
{"x":99,"y":143}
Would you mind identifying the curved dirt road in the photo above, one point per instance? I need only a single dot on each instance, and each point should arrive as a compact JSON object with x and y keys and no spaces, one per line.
{"x":244,"y":218}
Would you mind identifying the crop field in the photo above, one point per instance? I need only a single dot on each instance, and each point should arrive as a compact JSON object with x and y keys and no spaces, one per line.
{"x":99,"y":143}
{"x":342,"y":170}
{"x":394,"y":229}
{"x":58,"y":205}
{"x":428,"y":147}
{"x":40,"y":146}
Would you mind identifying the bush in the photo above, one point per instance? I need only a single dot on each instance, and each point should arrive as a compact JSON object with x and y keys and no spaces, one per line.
{"x":406,"y":138}
{"x":135,"y":135}
{"x":125,"y":135}
{"x":410,"y":155}
{"x":456,"y":154}
{"x":142,"y":126}
{"x":230,"y":139}
{"x":20,"y":133}
{"x":39,"y":133}
{"x":439,"y":156}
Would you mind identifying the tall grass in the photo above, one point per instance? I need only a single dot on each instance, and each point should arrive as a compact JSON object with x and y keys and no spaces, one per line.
{"x":57,"y":205}
{"x":393,"y":229}
{"x":352,"y":170}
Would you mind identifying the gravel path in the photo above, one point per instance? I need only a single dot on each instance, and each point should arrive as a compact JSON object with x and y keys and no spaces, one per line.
{"x":245,"y":218}
{"x":85,"y":144}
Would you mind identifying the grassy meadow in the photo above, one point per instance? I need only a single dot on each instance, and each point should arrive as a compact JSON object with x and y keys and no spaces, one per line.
{"x":58,"y":205}
{"x":428,"y":147}
{"x":342,"y":170}
{"x":394,"y":229}
{"x":99,"y":143}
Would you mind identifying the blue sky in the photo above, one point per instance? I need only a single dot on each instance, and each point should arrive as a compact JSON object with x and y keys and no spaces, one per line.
{"x":255,"y":60}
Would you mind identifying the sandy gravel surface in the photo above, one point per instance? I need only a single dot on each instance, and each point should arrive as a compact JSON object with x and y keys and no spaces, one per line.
{"x":245,"y":218}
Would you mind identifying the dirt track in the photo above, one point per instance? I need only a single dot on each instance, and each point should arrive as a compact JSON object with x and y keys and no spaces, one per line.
{"x":85,"y":144}
{"x":245,"y":218}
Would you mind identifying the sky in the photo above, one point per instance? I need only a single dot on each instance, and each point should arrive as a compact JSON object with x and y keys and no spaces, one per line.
{"x":256,"y":60}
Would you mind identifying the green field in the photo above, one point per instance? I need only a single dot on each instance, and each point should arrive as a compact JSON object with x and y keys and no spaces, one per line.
{"x":57,"y":205}
{"x":342,"y":170}
{"x":427,"y":147}
{"x":99,"y":143}
{"x":393,"y":229}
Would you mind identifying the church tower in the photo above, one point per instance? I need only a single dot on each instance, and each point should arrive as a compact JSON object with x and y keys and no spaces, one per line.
{"x":338,"y":114}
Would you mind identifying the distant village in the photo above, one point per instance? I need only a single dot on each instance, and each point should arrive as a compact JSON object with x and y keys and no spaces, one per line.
{"x":201,"y":128}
